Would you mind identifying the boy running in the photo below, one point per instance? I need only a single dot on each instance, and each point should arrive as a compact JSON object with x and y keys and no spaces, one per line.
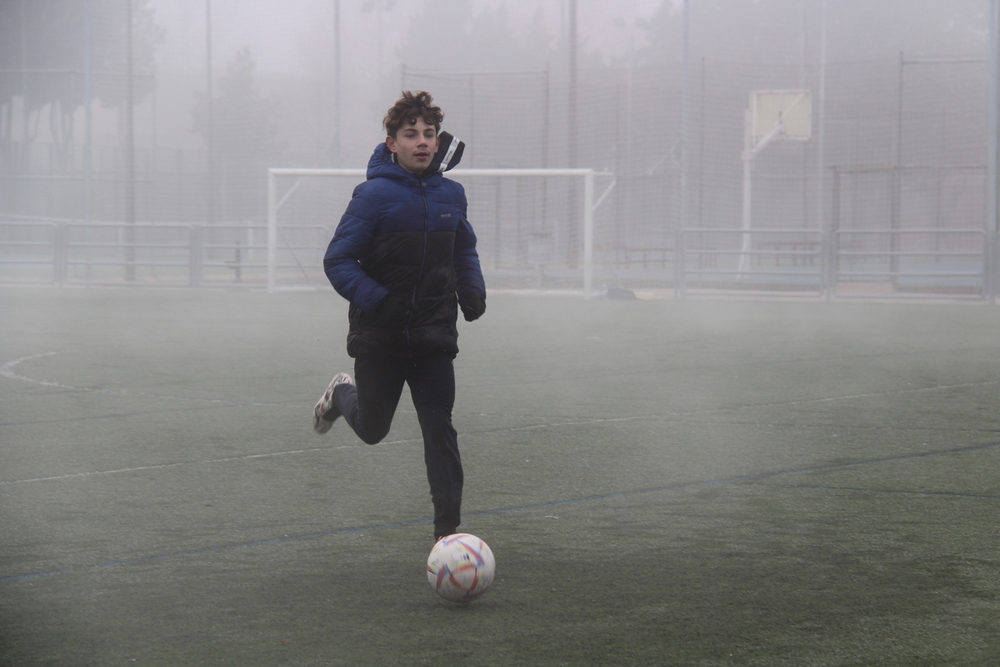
{"x":404,"y":256}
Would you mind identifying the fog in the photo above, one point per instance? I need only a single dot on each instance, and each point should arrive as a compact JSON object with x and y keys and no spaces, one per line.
{"x":650,"y":94}
{"x":162,"y":481}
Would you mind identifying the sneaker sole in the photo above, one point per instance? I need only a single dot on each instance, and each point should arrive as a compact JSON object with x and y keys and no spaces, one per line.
{"x":325,"y":412}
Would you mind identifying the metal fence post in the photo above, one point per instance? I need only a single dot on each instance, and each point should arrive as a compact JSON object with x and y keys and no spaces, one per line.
{"x":991,"y":269}
{"x":59,"y":253}
{"x":679,"y":265}
{"x":196,"y":253}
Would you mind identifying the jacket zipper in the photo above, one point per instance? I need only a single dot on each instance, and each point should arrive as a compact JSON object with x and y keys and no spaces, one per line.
{"x":423,"y":264}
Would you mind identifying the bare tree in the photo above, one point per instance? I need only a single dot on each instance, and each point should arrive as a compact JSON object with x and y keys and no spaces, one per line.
{"x":43,"y":65}
{"x":242,"y":126}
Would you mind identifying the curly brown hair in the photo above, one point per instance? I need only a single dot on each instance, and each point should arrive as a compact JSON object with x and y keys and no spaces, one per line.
{"x":409,"y":108}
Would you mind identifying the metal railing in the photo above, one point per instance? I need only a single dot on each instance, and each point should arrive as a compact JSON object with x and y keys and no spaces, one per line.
{"x":855,"y":263}
{"x":31,"y":251}
{"x":948,"y":262}
{"x":112,"y":253}
{"x":759,"y":261}
{"x":67,"y":252}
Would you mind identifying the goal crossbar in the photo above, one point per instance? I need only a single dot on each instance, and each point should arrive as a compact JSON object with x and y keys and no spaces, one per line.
{"x":274,"y":203}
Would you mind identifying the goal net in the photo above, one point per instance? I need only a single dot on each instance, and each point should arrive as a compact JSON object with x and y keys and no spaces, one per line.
{"x":541,"y":229}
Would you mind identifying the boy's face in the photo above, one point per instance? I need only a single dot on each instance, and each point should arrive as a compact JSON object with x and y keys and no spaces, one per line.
{"x":414,"y":146}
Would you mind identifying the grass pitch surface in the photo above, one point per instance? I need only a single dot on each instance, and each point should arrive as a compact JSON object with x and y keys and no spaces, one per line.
{"x":661,"y":482}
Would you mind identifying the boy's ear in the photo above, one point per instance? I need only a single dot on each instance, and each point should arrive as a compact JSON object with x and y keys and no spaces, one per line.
{"x":448,"y":155}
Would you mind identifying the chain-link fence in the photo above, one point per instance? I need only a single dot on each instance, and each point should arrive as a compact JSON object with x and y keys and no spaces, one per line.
{"x":96,"y":133}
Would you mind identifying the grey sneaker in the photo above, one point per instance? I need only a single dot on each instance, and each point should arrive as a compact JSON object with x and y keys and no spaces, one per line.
{"x":326,"y":412}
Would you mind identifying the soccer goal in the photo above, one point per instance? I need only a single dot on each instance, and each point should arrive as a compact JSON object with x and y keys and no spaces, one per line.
{"x":535,"y":227}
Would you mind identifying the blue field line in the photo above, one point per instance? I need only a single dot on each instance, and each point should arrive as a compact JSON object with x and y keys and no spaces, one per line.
{"x":760,"y":476}
{"x":555,"y":503}
{"x":854,"y":489}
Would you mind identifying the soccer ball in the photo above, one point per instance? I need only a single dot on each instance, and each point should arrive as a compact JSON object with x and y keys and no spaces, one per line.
{"x":460,"y":567}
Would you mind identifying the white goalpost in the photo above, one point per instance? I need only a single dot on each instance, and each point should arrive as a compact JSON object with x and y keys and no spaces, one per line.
{"x":535,"y":226}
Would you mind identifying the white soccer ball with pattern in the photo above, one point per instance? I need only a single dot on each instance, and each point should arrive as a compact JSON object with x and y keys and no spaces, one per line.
{"x":460,"y":567}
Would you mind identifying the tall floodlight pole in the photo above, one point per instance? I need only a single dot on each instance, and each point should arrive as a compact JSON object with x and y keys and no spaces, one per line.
{"x":992,"y":224}
{"x":88,"y":153}
{"x":685,"y":112}
{"x":572,"y":125}
{"x":572,"y":101}
{"x":88,"y":174}
{"x":210,"y":139}
{"x":129,"y":145}
{"x":336,"y":83}
{"x":821,"y":157}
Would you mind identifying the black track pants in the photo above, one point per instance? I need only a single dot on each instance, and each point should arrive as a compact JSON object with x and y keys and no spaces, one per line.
{"x":369,"y":407}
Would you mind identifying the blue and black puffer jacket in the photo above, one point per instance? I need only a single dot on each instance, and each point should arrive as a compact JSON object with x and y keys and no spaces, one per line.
{"x":404,"y":239}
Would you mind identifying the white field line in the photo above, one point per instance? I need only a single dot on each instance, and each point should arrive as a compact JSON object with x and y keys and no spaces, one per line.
{"x":309,"y":450}
{"x":6,"y":370}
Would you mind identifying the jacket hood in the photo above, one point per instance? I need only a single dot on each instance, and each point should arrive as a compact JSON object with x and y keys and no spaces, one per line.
{"x":382,"y":164}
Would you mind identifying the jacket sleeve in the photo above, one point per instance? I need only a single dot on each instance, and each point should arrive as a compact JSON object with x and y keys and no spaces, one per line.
{"x":468,"y":272}
{"x":348,"y":246}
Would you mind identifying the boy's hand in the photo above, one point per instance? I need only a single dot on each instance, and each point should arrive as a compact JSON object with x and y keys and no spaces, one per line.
{"x":473,"y":305}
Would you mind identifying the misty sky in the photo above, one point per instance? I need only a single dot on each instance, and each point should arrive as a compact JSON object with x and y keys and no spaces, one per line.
{"x":278,"y":31}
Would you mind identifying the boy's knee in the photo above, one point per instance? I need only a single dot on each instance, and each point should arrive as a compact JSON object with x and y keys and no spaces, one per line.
{"x":372,"y":436}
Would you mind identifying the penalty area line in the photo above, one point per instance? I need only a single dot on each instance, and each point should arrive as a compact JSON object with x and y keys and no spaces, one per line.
{"x":177,"y":464}
{"x":309,"y":450}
